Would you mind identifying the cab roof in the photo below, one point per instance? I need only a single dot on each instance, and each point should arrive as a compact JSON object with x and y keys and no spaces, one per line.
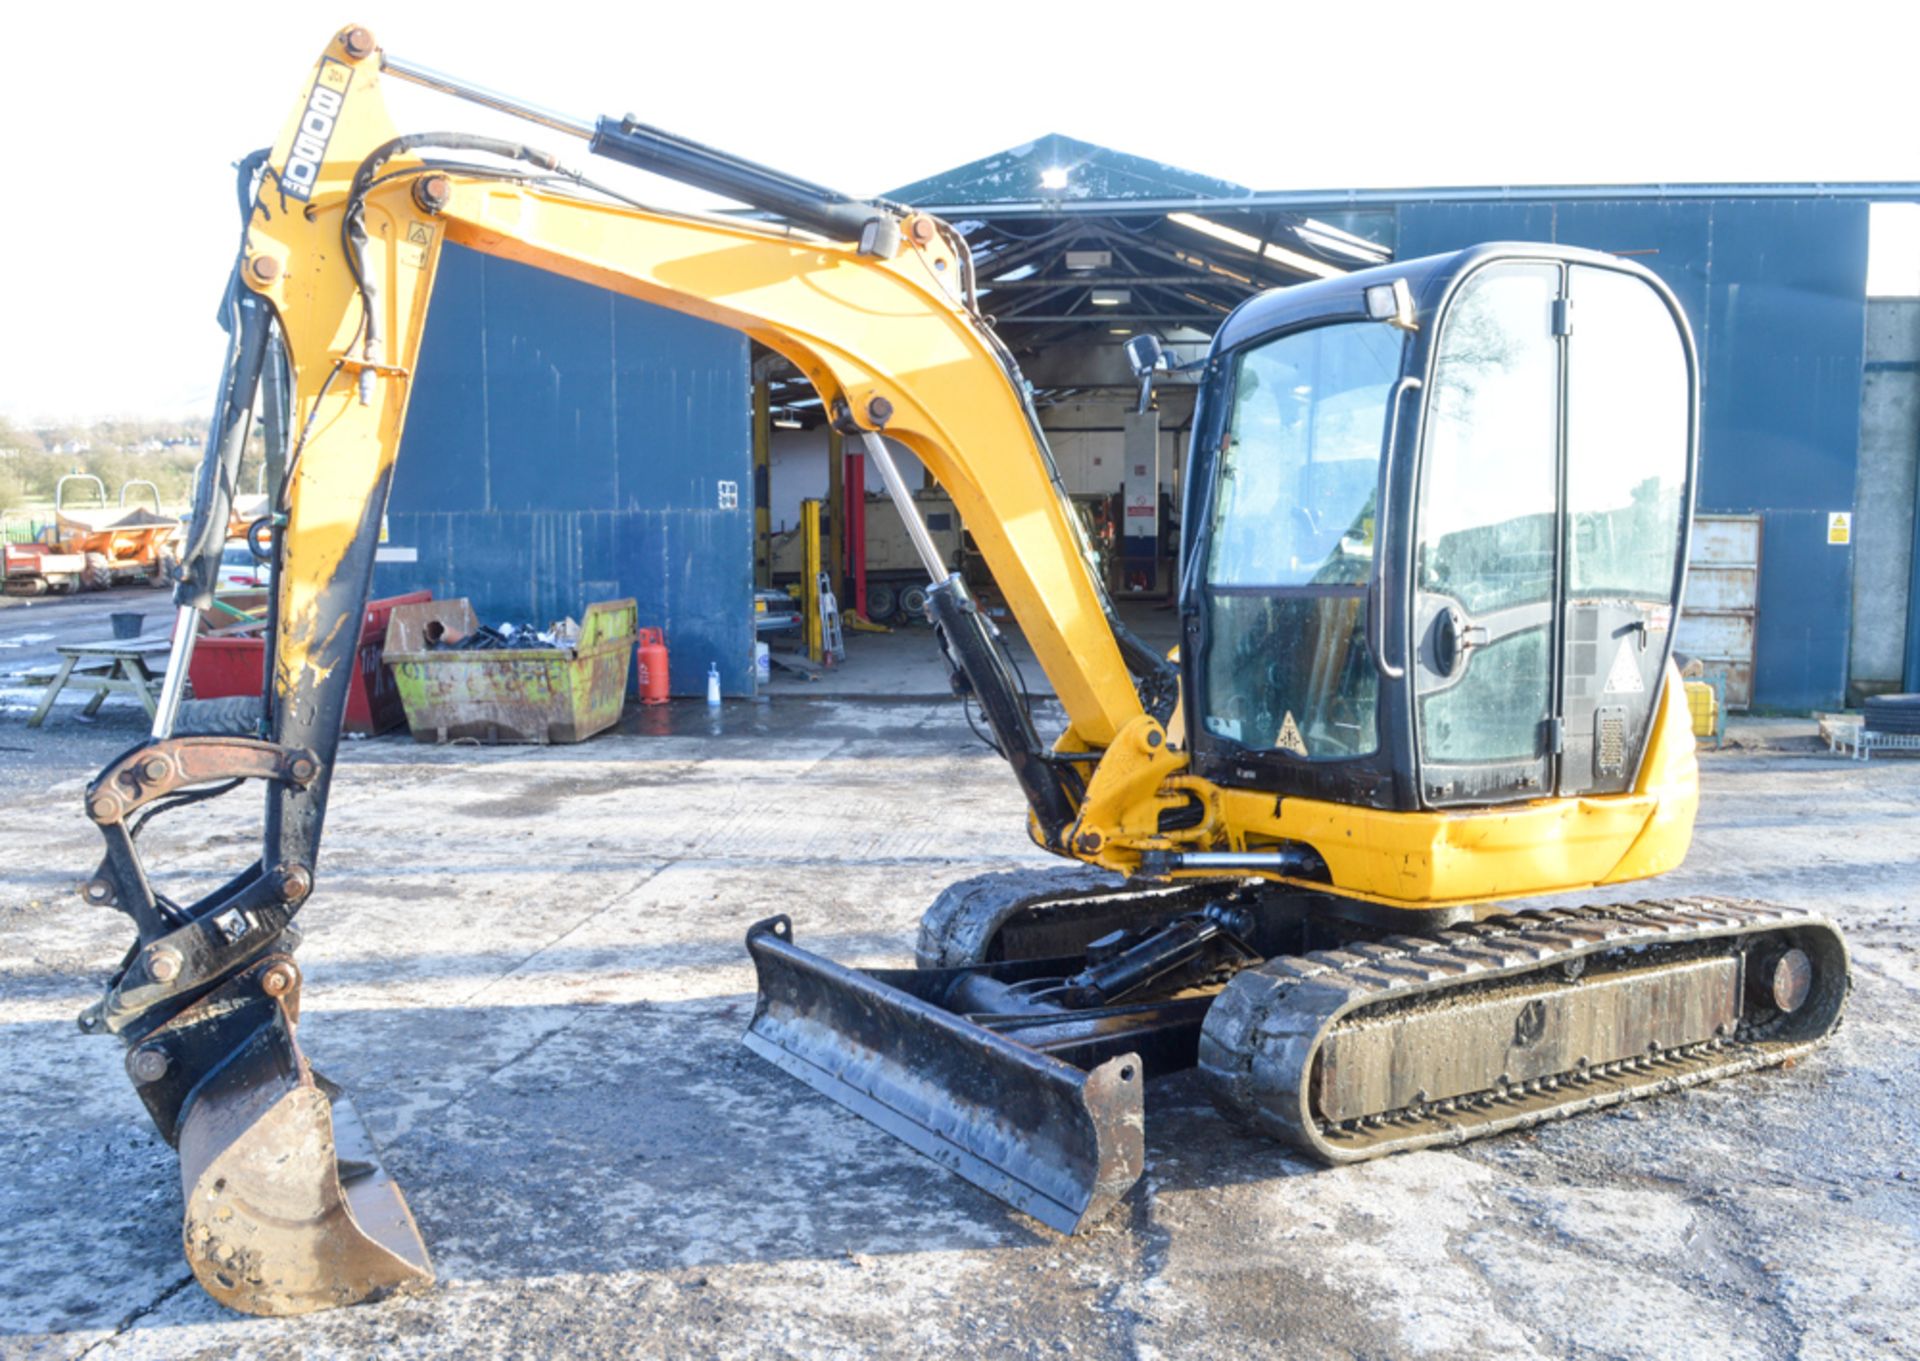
{"x":1429,"y":277}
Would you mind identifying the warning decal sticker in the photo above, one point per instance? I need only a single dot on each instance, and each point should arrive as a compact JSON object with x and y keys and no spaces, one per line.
{"x":1289,"y":738}
{"x":1625,"y":678}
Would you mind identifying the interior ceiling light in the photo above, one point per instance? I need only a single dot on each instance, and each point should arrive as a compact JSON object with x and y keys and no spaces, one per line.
{"x":1305,"y":264}
{"x":1212,"y":268}
{"x":1111,"y":297}
{"x":1345,"y":242}
{"x":786,"y":423}
{"x":1253,"y":245}
{"x":1194,"y":222}
{"x":1120,"y":330}
{"x":1089,"y":259}
{"x":1053,"y":177}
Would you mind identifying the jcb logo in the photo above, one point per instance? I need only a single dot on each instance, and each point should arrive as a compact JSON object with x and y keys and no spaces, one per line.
{"x":310,"y":139}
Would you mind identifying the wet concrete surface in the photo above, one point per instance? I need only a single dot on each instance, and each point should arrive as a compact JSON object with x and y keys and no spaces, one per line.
{"x":68,"y":743}
{"x":31,"y":626}
{"x":527,"y":966}
{"x":905,"y":661}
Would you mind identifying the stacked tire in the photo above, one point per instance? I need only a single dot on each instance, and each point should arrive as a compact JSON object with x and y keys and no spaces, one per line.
{"x":231,"y":716}
{"x":1892,"y":714}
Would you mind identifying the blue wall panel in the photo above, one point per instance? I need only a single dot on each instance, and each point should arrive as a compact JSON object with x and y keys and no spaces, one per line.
{"x":1431,"y":228}
{"x":566,"y":445}
{"x":1786,"y":329}
{"x":1776,"y":293}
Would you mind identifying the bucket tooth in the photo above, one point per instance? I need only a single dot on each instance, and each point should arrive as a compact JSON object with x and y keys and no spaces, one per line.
{"x":1061,"y":1143}
{"x":288,"y":1206}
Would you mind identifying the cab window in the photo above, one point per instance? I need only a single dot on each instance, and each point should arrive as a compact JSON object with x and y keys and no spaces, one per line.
{"x":1291,"y":543}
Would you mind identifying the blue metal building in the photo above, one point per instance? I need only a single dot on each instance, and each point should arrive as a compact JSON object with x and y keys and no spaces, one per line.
{"x":565,"y":445}
{"x":1772,"y":277}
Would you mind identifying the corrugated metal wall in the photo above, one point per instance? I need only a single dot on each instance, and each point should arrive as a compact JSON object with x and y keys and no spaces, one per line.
{"x":1776,"y":293}
{"x":565,"y":445}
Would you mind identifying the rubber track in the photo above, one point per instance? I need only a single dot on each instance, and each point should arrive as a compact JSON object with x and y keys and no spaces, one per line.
{"x":1264,"y":1033}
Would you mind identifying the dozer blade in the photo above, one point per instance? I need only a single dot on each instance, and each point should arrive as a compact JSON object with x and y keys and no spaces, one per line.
{"x":288,"y":1208}
{"x":1058,"y":1142}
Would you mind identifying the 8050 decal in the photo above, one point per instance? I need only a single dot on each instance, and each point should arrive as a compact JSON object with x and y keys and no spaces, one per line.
{"x":310,"y":139}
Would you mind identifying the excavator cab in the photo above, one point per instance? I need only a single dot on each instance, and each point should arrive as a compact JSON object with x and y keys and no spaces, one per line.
{"x":1433,"y":559}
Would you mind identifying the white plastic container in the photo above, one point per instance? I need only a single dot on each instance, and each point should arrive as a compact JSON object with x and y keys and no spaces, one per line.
{"x":713,"y":685}
{"x":762,"y":665}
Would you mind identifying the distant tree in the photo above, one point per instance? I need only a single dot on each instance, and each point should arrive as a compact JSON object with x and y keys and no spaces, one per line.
{"x":115,"y":451}
{"x":14,"y":440}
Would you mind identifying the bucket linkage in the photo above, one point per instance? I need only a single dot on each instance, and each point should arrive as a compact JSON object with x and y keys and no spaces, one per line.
{"x":288,"y":1208}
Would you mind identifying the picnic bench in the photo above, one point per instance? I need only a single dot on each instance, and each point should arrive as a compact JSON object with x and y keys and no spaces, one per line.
{"x":116,"y":666}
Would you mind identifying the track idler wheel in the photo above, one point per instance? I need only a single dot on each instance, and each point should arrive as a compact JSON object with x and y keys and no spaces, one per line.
{"x":288,"y":1207}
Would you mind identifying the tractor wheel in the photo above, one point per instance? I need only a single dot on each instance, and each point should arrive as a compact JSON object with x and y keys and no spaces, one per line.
{"x":97,"y":575}
{"x":882,"y":601}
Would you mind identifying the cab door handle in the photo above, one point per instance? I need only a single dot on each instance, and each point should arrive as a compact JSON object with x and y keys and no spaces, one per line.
{"x":1377,"y":592}
{"x":1453,"y":639}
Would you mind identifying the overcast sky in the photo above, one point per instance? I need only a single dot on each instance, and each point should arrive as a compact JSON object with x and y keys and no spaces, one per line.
{"x":123,"y":123}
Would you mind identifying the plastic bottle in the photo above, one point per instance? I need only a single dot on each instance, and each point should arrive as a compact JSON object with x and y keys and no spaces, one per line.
{"x":713,"y":685}
{"x":762,"y":665}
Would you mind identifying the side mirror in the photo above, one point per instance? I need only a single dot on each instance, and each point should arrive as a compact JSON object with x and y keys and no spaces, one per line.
{"x":1145,"y":354}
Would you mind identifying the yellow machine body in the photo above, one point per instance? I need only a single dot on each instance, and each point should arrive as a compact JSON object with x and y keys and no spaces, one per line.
{"x":892,"y":340}
{"x":340,"y":259}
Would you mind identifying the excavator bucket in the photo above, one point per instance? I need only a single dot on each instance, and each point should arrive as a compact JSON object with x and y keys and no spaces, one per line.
{"x":1061,"y":1142}
{"x":288,"y":1207}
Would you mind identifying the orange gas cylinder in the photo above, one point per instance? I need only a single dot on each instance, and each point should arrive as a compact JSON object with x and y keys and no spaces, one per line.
{"x":650,"y":657}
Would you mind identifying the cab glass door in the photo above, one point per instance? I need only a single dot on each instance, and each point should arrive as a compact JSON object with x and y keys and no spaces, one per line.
{"x":1486,"y":552}
{"x":1629,"y":442}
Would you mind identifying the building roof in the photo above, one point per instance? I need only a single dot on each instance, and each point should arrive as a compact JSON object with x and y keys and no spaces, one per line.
{"x":1062,"y":169}
{"x":1080,"y":244}
{"x":1074,"y":241}
{"x":1097,"y":254}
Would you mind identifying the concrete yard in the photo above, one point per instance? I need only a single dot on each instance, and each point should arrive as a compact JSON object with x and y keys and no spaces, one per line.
{"x":527,"y":966}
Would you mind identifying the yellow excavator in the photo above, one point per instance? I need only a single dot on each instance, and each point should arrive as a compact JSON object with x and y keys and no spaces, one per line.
{"x":1435,"y":534}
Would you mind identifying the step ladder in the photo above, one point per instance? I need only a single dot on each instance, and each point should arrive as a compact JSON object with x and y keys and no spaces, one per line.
{"x":833,"y":646}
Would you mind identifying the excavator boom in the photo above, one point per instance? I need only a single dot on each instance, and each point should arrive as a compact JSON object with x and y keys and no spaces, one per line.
{"x":288,"y":1207}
